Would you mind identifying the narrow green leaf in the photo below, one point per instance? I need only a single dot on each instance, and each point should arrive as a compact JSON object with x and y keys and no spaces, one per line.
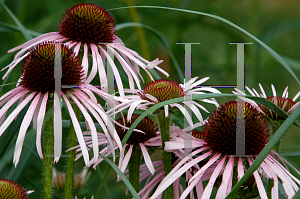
{"x":161,"y":38}
{"x":10,"y":28}
{"x":270,"y":50}
{"x":297,"y":195}
{"x":122,"y":176}
{"x":263,"y":154}
{"x":103,"y":181}
{"x":19,"y":24}
{"x":289,"y":153}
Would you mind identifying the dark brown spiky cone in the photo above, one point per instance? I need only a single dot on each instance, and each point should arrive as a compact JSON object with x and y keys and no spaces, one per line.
{"x":146,"y":125}
{"x":37,"y":72}
{"x":220,"y":131}
{"x":87,"y":23}
{"x":282,"y":102}
{"x":162,"y":90}
{"x":11,"y":190}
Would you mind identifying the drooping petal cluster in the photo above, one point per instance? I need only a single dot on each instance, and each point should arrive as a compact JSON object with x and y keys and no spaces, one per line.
{"x":38,"y":98}
{"x":162,"y":90}
{"x":90,"y":29}
{"x":206,"y":153}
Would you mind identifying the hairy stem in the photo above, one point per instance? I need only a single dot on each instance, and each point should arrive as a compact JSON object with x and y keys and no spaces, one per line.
{"x":134,"y":168}
{"x":48,"y":155}
{"x":164,"y":123}
{"x":71,"y":159}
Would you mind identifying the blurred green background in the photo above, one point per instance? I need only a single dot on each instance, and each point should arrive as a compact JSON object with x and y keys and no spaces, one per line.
{"x":276,"y":23}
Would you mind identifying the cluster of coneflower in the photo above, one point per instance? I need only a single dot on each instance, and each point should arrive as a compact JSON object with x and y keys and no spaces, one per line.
{"x":87,"y":31}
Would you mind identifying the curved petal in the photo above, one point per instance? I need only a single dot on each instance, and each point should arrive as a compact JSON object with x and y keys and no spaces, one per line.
{"x":147,"y":158}
{"x":77,"y":130}
{"x":40,"y":120}
{"x":24,"y":126}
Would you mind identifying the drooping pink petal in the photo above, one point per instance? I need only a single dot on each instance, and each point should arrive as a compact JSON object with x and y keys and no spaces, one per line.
{"x":94,"y":66}
{"x":212,"y":180}
{"x":147,"y":158}
{"x":14,"y":114}
{"x":126,"y":159}
{"x":40,"y":120}
{"x":57,"y":128}
{"x":77,"y":48}
{"x":185,"y":113}
{"x":259,"y":183}
{"x":85,"y":60}
{"x":77,"y":130}
{"x":176,"y":173}
{"x":91,"y":106}
{"x":91,"y":124}
{"x":240,"y":168}
{"x":222,"y":191}
{"x":272,"y":175}
{"x":24,"y":126}
{"x":101,"y":69}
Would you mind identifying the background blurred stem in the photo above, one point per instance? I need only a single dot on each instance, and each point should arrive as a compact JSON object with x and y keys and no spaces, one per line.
{"x":164,"y":124}
{"x":141,"y":36}
{"x":71,"y":159}
{"x":48,"y":155}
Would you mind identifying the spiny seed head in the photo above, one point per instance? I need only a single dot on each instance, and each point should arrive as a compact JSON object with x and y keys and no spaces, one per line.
{"x":87,"y":23}
{"x":146,"y":125}
{"x":37,"y":72}
{"x":11,"y":190}
{"x":197,"y":134}
{"x":162,"y":90}
{"x":220,"y":131}
{"x":284,"y":103}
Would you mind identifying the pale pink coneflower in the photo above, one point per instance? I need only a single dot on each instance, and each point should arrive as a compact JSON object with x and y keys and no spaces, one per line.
{"x":219,"y":145}
{"x":145,"y":135}
{"x":37,"y":90}
{"x":163,"y":90}
{"x":286,"y":104}
{"x":89,"y":28}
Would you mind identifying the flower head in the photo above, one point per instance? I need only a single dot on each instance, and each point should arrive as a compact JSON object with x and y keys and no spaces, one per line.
{"x":87,"y":23}
{"x":37,"y":90}
{"x":10,"y":189}
{"x":162,"y":90}
{"x":90,"y":29}
{"x":286,"y":104}
{"x":220,"y":131}
{"x":207,"y":151}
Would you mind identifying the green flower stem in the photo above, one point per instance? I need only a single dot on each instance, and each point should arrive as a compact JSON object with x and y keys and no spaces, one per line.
{"x":164,"y":123}
{"x":134,"y":168}
{"x":273,"y":126}
{"x":48,"y":155}
{"x":71,"y":159}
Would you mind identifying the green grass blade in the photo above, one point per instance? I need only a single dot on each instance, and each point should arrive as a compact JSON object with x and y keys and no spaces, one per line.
{"x":10,"y":28}
{"x":270,"y":50}
{"x":263,"y":154}
{"x":122,"y":176}
{"x":297,"y":195}
{"x":161,"y":38}
{"x":103,"y":181}
{"x":19,"y":24}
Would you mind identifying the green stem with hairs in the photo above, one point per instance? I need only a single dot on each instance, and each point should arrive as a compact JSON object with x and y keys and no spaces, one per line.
{"x":48,"y":155}
{"x":71,"y":158}
{"x":164,"y":123}
{"x":134,"y":168}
